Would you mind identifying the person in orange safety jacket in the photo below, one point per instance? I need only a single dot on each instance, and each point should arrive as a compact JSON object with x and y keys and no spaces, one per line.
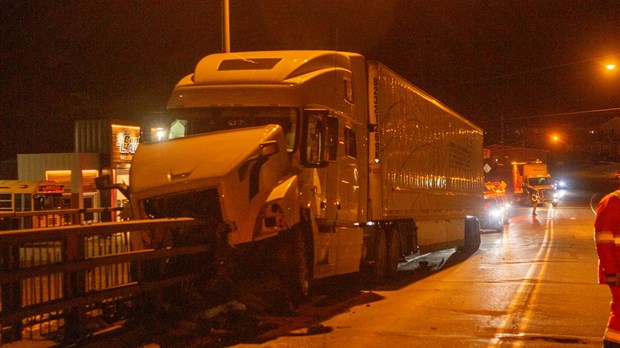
{"x":607,"y":238}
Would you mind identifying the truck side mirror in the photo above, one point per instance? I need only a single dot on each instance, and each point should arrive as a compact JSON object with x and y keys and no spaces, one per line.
{"x":104,"y":182}
{"x":314,"y":138}
{"x":268,"y":148}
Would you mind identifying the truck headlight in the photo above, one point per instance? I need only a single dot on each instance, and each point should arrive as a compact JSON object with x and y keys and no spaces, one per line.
{"x":274,"y":217}
{"x":272,"y":220}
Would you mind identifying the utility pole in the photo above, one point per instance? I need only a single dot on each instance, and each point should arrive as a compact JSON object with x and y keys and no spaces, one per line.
{"x":502,"y":130}
{"x":225,"y":26}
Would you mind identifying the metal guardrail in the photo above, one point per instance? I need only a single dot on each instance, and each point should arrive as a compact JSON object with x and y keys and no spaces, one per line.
{"x":60,"y":217}
{"x":58,"y":280}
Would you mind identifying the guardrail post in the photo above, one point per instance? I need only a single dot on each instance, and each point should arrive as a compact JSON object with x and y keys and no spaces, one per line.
{"x":74,"y":286}
{"x":11,"y":292}
{"x":151,"y":303}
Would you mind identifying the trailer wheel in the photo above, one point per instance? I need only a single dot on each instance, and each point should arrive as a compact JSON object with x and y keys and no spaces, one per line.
{"x":472,"y":236}
{"x":380,"y":254}
{"x":393,"y":252}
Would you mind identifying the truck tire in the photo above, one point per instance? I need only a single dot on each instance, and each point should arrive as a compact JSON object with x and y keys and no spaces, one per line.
{"x":472,"y":236}
{"x":380,"y":254}
{"x":393,"y":252}
{"x":295,"y":271}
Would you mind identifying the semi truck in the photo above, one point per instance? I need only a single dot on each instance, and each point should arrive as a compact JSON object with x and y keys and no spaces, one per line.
{"x":533,"y":184}
{"x":322,"y":162}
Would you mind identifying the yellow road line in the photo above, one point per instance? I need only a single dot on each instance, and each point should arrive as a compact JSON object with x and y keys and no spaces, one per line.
{"x":521,"y":308}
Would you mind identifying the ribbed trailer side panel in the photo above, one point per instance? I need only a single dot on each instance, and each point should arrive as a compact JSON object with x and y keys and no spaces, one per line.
{"x":426,"y":160}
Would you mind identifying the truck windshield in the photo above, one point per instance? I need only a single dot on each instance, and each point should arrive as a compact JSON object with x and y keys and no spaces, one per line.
{"x":193,"y":121}
{"x":539,"y":181}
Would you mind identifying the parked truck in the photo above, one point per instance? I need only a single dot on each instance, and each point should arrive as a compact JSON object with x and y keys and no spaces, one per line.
{"x":328,"y":162}
{"x":533,"y":184}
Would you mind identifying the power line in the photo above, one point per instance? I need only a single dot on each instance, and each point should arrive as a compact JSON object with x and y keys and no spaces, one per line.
{"x":565,"y":113}
{"x":524,"y":72}
{"x":545,"y":68}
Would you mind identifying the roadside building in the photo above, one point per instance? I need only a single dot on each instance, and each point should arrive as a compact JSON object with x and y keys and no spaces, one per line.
{"x":101,"y":147}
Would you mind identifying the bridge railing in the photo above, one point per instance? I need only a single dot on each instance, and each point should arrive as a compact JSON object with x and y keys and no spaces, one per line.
{"x":63,"y":279}
{"x":59,"y":217}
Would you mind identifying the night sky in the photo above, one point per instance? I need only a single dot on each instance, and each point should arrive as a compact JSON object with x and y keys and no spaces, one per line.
{"x":65,"y":60}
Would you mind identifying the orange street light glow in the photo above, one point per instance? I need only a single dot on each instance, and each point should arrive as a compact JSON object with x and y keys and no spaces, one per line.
{"x":610,"y":66}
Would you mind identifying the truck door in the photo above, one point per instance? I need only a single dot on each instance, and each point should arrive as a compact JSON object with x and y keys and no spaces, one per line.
{"x":337,"y":246}
{"x":319,"y":147}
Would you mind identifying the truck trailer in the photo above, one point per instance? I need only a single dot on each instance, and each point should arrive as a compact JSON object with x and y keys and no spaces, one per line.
{"x":322,"y":161}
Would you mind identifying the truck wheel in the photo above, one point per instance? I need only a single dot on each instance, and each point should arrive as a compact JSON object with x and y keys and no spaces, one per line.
{"x":475,"y":234}
{"x":393,"y":252}
{"x":380,"y":254}
{"x":295,"y":274}
{"x":472,"y":236}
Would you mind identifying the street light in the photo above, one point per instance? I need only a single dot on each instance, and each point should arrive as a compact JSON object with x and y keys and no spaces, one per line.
{"x":606,"y":65}
{"x":561,"y":138}
{"x":610,"y":65}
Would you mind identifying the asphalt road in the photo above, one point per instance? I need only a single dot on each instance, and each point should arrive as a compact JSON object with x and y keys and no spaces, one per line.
{"x":534,"y":285}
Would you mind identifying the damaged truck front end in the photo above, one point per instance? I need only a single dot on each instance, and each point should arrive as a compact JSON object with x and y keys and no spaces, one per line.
{"x":219,"y":179}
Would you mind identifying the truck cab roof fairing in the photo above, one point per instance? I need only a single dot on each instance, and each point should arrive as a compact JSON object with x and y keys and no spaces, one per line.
{"x":266,"y":67}
{"x":281,"y":78}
